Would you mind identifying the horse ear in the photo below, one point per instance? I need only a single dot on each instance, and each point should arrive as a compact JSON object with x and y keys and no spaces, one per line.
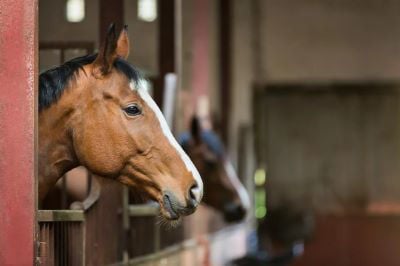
{"x":123,"y":43}
{"x":195,"y":129}
{"x":112,"y":48}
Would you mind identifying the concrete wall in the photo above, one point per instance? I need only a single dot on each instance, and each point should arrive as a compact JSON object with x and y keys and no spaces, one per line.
{"x":333,"y":149}
{"x":310,"y":40}
{"x":323,"y":148}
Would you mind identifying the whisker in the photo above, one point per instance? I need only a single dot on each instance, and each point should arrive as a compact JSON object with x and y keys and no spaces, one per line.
{"x":166,"y":224}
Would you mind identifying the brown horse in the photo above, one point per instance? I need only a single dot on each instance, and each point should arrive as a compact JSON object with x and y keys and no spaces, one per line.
{"x":224,"y":191}
{"x":94,"y":111}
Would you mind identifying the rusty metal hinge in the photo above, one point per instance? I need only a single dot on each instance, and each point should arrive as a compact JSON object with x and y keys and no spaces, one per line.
{"x":41,"y":253}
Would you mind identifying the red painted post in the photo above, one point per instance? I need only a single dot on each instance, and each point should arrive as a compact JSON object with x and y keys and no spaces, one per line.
{"x":18,"y":82}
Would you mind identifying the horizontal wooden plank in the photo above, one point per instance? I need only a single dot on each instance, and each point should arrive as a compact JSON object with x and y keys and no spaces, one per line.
{"x":151,"y":209}
{"x":60,"y":216}
{"x":185,"y":245}
{"x":89,"y":46}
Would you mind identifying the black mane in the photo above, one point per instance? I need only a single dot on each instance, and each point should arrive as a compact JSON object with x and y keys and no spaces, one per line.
{"x":53,"y":81}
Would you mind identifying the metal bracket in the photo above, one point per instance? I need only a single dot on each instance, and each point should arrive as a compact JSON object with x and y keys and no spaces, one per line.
{"x":41,"y":252}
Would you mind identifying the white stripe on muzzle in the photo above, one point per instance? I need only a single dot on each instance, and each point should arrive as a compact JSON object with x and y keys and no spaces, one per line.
{"x":197,"y":192}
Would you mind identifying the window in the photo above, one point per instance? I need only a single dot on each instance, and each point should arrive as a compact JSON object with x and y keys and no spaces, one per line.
{"x":147,"y":10}
{"x":75,"y":11}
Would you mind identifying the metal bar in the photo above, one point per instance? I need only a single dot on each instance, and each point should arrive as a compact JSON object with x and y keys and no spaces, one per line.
{"x":62,"y":242}
{"x":83,"y":242}
{"x":43,"y":245}
{"x":57,"y":243}
{"x":48,"y":235}
{"x":68,"y":249}
{"x":72,"y":249}
{"x":95,"y":192}
{"x":168,"y":107}
{"x":61,"y":245}
{"x":157,"y":237}
{"x":60,"y":216}
{"x":125,"y":223}
{"x":89,"y":182}
{"x":51,"y":243}
{"x":64,"y":178}
{"x":125,"y":205}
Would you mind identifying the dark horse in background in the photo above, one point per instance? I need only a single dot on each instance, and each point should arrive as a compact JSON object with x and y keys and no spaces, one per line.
{"x":223,"y":189}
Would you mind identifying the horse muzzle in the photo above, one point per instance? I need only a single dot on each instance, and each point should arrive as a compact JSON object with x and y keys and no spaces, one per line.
{"x":173,"y":209}
{"x":234,"y":212}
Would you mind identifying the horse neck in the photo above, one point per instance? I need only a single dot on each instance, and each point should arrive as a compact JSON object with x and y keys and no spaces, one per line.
{"x":56,"y":153}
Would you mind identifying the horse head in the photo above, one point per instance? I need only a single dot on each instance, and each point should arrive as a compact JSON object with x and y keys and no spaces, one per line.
{"x":224,"y":190}
{"x":95,"y":112}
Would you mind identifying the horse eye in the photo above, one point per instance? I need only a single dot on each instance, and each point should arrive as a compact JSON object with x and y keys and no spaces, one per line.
{"x":132,"y":110}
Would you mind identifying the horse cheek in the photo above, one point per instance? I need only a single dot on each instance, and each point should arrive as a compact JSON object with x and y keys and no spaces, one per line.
{"x":97,"y":153}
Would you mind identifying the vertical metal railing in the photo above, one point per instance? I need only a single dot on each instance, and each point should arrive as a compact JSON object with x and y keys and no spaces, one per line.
{"x":62,"y":233}
{"x":61,"y":237}
{"x":139,"y":222}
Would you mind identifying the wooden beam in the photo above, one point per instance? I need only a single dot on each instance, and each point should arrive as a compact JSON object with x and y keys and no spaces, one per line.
{"x":166,"y":36}
{"x":110,"y":12}
{"x":138,"y":210}
{"x":61,"y":216}
{"x":225,"y":48}
{"x":166,"y":45}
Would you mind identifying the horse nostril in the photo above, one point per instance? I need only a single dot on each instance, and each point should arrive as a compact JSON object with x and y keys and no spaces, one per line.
{"x":194,"y":195}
